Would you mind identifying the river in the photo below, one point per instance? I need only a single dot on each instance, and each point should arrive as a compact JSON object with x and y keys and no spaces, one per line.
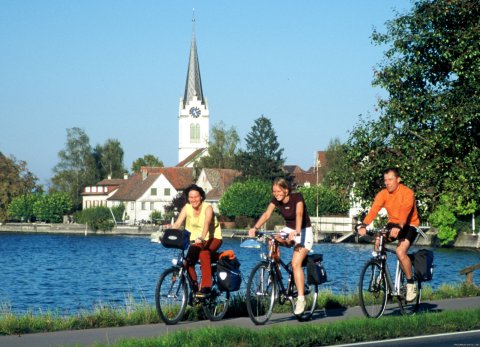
{"x":70,"y":273}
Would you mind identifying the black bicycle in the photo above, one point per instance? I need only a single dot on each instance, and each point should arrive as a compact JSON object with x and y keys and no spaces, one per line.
{"x":174,"y":292}
{"x":265,"y":285}
{"x":376,"y":286}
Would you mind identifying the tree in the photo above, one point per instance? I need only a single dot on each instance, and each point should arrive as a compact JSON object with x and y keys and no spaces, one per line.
{"x":222,"y":151}
{"x":249,"y":199}
{"x":262,"y":158}
{"x":76,"y":168}
{"x":109,"y":159}
{"x":15,"y":180}
{"x":147,"y":160}
{"x":337,"y":168}
{"x":430,"y":122}
{"x":21,"y":207}
{"x":51,"y":208}
{"x":330,"y":201}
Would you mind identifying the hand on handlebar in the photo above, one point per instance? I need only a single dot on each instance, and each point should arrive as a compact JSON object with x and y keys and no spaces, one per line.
{"x":361,"y":229}
{"x":252,"y":232}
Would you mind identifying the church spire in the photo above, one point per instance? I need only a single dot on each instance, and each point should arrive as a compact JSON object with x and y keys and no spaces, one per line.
{"x":193,"y":86}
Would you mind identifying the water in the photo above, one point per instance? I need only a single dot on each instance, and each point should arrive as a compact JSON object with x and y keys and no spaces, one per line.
{"x":71,"y":273}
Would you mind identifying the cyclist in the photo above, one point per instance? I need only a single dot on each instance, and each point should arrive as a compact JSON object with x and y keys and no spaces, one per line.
{"x":298,"y":227}
{"x":399,"y":201}
{"x":206,"y":235}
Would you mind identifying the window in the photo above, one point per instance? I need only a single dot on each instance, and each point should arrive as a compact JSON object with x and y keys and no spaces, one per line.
{"x":152,"y":206}
{"x":166,"y":192}
{"x":153,"y":191}
{"x":194,"y":133}
{"x":144,"y":205}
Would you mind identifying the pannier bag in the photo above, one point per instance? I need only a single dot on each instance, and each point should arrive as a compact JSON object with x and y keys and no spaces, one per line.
{"x":423,"y":265}
{"x":316,"y":273}
{"x":229,"y":276}
{"x":175,"y":238}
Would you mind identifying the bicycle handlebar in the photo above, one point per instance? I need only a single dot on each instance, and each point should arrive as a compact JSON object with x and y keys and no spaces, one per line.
{"x":386,"y":229}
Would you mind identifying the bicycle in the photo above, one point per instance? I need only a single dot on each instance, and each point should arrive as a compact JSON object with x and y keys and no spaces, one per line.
{"x":265,"y":285}
{"x":174,"y":292}
{"x":376,"y":286}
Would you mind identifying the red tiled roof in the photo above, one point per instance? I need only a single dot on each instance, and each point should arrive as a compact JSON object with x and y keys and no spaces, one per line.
{"x":220,"y":179}
{"x":134,"y":188}
{"x":197,"y":153}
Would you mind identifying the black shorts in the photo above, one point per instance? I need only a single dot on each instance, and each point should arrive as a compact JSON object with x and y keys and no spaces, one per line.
{"x":408,"y":232}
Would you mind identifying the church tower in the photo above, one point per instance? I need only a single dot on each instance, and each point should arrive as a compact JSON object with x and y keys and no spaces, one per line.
{"x":193,"y":116}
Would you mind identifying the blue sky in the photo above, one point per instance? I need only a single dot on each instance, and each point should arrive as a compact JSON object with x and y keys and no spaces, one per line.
{"x":117,"y":70}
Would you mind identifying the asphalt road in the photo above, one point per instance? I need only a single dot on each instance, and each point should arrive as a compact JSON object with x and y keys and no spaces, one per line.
{"x":110,"y":335}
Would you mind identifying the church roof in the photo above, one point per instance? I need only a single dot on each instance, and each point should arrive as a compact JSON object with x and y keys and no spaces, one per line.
{"x":193,"y":85}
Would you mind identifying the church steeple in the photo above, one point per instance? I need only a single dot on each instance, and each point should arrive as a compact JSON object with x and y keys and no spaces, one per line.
{"x":193,"y":85}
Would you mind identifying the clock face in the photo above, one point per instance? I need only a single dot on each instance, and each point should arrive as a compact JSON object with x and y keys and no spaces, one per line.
{"x":195,"y":112}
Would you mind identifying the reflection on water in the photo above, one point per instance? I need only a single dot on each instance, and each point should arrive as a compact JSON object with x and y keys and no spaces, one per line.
{"x":70,"y":273}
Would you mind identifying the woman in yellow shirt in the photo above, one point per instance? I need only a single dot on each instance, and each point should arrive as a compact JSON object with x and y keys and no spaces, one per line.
{"x":205,"y":233}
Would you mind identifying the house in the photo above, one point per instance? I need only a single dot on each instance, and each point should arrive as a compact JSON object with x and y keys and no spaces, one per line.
{"x":215,"y":182}
{"x":150,"y":190}
{"x":98,"y":194}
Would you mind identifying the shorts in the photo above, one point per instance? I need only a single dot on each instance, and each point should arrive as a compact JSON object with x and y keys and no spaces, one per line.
{"x":305,"y":239}
{"x":408,"y":232}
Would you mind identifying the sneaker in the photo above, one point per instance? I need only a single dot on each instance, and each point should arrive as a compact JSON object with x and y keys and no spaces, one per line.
{"x":411,"y":291}
{"x":299,"y":307}
{"x":203,"y":293}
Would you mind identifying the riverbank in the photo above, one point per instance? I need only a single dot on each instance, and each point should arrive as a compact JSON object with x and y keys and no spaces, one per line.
{"x":463,"y":240}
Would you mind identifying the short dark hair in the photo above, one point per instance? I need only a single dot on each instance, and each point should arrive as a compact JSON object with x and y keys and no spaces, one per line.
{"x":395,"y":171}
{"x":196,"y":188}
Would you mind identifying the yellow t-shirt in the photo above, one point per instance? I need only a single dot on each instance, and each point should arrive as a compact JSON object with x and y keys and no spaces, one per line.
{"x":194,"y":224}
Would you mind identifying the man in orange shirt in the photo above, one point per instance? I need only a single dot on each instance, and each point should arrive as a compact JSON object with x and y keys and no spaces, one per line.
{"x":399,"y":201}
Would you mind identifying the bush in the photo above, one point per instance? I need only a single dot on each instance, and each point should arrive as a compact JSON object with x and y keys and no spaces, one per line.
{"x":330,"y":201}
{"x":247,"y":199}
{"x":243,"y":222}
{"x":51,"y":208}
{"x":97,"y":218}
{"x":156,"y":217}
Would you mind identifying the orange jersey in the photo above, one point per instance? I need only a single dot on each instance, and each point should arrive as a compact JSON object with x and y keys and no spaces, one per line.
{"x":400,"y":205}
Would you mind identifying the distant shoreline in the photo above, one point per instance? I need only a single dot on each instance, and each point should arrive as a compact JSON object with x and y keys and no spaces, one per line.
{"x":463,"y":240}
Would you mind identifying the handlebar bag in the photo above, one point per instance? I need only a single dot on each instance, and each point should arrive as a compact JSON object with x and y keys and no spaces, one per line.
{"x":175,"y":238}
{"x":316,"y":273}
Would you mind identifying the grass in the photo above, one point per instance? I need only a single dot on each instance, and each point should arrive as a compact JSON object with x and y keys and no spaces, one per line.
{"x":341,"y":332}
{"x":144,"y":313}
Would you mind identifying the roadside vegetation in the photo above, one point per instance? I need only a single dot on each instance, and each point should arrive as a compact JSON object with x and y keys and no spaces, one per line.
{"x":143,"y":313}
{"x":342,"y":332}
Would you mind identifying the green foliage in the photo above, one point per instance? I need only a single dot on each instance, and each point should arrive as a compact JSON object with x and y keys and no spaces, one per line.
{"x":21,"y":207}
{"x":330,"y":201}
{"x":262,"y":158}
{"x":15,"y":180}
{"x":430,"y":122}
{"x":76,"y":168}
{"x":156,"y":217}
{"x":109,"y":159}
{"x":249,"y":199}
{"x":222,"y":151}
{"x":118,"y":212}
{"x":147,"y":160}
{"x":51,"y":208}
{"x":97,"y":218}
{"x":444,"y":219}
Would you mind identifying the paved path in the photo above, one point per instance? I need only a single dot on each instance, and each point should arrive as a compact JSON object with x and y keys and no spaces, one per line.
{"x":110,"y":335}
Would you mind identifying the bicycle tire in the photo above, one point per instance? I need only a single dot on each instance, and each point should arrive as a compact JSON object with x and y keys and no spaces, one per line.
{"x":216,"y":305}
{"x":372,"y":289}
{"x":261,"y":293}
{"x":408,"y":308}
{"x":171,"y":296}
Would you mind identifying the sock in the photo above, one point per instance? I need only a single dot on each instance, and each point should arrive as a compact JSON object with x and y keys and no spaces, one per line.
{"x":301,"y":298}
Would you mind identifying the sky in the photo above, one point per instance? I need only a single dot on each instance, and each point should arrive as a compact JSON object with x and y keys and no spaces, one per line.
{"x":117,"y":70}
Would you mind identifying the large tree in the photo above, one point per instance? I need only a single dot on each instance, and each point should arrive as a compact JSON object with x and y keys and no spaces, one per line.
{"x":430,"y":121}
{"x":222,"y":150}
{"x":109,"y":159}
{"x":15,"y":180}
{"x":146,"y":160}
{"x":263,"y":156}
{"x":76,"y":168}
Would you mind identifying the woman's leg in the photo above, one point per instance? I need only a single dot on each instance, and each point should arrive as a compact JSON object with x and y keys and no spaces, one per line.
{"x":190,"y":261}
{"x":298,"y":256}
{"x":211,"y":246}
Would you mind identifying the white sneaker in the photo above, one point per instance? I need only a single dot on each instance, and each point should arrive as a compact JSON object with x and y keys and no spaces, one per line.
{"x":411,"y":291}
{"x":299,"y":307}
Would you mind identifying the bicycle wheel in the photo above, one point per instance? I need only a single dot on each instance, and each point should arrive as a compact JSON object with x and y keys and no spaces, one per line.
{"x":260,"y":295}
{"x":216,"y":305}
{"x":311,"y":295}
{"x":372,"y":290}
{"x":171,"y":296}
{"x":411,"y":307}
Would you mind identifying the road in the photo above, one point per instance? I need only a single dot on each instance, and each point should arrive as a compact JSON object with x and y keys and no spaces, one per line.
{"x":110,"y":335}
